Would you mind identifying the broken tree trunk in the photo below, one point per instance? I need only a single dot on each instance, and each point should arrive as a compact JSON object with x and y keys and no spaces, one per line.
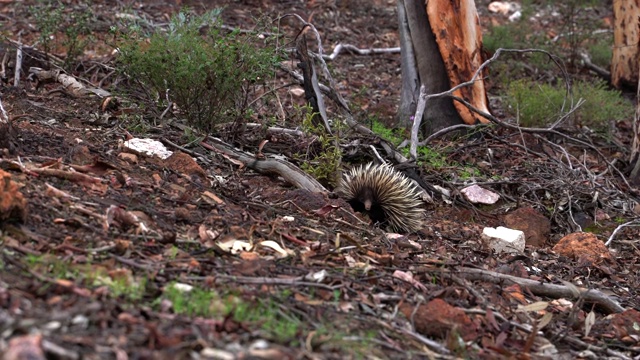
{"x":441,"y":47}
{"x":625,"y":66}
{"x":311,"y":88}
{"x":626,"y":37}
{"x":456,"y":26}
{"x":634,"y":159}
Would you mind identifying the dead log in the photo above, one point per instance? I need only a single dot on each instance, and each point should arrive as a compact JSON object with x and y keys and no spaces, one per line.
{"x":270,"y":166}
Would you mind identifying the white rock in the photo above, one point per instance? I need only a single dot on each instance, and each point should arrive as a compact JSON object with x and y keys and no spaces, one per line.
{"x":501,"y":7}
{"x":515,"y":16}
{"x":297,"y":91}
{"x":183,"y":287}
{"x":502,"y":239}
{"x":149,"y":147}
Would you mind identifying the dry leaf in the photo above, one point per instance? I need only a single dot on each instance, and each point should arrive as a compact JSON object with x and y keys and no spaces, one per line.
{"x":536,"y":306}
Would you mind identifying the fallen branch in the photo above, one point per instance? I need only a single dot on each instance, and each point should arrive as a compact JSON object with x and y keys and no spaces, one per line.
{"x":71,"y":84}
{"x":291,"y":173}
{"x":586,"y":60}
{"x":276,"y":130}
{"x":4,"y":117}
{"x":18,"y":69}
{"x":296,"y":281}
{"x":354,"y":50}
{"x":67,"y":175}
{"x":310,"y":84}
{"x":542,"y":289}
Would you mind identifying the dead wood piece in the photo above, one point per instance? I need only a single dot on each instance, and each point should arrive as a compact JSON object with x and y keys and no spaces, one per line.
{"x":634,"y":157}
{"x":59,"y":351}
{"x":67,"y":175}
{"x":276,"y":130}
{"x":586,"y":60}
{"x":18,"y":68}
{"x":286,"y":170}
{"x":310,"y":84}
{"x":355,"y":50}
{"x":4,"y":117}
{"x":626,"y":36}
{"x":457,"y":31}
{"x":542,"y":289}
{"x":296,"y":281}
{"x":71,"y":84}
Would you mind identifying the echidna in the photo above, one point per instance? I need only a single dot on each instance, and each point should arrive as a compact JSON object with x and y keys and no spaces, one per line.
{"x":387,"y":195}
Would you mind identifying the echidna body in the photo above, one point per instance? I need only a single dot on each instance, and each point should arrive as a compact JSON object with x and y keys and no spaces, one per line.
{"x":387,"y":195}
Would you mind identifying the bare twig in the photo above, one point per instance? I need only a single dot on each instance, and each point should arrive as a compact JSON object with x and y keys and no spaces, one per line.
{"x":18,"y":69}
{"x":4,"y":118}
{"x":355,"y":50}
{"x":447,"y":130}
{"x":184,"y":150}
{"x":425,"y":97}
{"x":635,"y":222}
{"x":548,"y":131}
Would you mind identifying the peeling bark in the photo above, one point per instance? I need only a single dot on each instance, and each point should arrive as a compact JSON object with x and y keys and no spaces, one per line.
{"x":442,"y":40}
{"x":626,"y":38}
{"x":456,"y":27}
{"x":431,"y":72}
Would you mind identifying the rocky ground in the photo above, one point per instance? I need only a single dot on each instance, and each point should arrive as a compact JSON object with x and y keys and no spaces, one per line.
{"x":110,"y":253}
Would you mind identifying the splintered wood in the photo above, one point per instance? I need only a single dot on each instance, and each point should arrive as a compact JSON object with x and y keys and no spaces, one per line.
{"x":456,"y":27}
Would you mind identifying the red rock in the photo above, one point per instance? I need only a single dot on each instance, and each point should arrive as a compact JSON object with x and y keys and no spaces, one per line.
{"x":625,"y":324}
{"x":584,"y":247}
{"x":81,"y":155}
{"x":13,"y":205}
{"x":437,"y":319}
{"x":128,"y":157}
{"x":24,"y":347}
{"x":184,"y":164}
{"x":536,"y":227}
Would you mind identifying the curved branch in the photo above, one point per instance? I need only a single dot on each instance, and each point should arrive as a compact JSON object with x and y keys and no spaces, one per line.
{"x":543,"y":289}
{"x":291,"y":173}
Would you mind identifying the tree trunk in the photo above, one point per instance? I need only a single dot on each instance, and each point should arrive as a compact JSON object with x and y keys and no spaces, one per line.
{"x":634,"y":159}
{"x":456,"y":26}
{"x":430,"y":72}
{"x":626,"y":55}
{"x":625,"y":66}
{"x":440,"y":62}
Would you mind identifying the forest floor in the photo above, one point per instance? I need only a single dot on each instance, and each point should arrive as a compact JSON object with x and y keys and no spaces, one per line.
{"x":121,"y":255}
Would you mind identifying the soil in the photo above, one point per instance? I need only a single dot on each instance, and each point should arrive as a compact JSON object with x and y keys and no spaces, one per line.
{"x":88,"y":270}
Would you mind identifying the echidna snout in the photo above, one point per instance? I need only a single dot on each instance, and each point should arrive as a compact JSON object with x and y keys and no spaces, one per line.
{"x":367,"y":204}
{"x":386,"y":195}
{"x":366,"y":197}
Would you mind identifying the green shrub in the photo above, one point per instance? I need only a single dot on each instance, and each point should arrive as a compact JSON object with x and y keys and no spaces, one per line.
{"x":601,"y":51}
{"x":321,"y":161}
{"x":208,"y":72}
{"x":393,"y":136}
{"x":48,"y":19}
{"x":574,"y":30}
{"x":502,"y":36}
{"x":58,"y":24}
{"x":538,"y":105}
